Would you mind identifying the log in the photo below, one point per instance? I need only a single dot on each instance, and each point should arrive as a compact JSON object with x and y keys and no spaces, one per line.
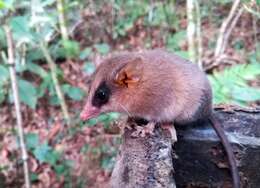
{"x":198,"y":159}
{"x":144,"y":161}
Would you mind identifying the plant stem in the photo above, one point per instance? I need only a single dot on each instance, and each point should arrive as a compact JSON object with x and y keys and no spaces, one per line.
{"x":224,"y":27}
{"x":11,"y":62}
{"x":191,"y":30}
{"x":62,"y":20}
{"x":59,"y":92}
{"x":198,"y":35}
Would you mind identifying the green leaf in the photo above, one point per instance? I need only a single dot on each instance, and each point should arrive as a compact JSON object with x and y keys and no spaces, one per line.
{"x":4,"y":74}
{"x":184,"y":54}
{"x":36,"y":69}
{"x":53,"y":157}
{"x":31,"y":140}
{"x":85,"y":53}
{"x":46,"y":83}
{"x":41,"y":152}
{"x":27,"y":93}
{"x":246,"y":94}
{"x":89,"y":68}
{"x":33,"y":177}
{"x":2,"y":38}
{"x":8,"y":5}
{"x":2,"y":95}
{"x":174,"y":41}
{"x":20,"y":28}
{"x":73,"y":92}
{"x":2,"y":5}
{"x":85,"y":149}
{"x":72,"y":48}
{"x":102,"y":48}
{"x":76,"y":93}
{"x":60,"y":169}
{"x":108,"y":163}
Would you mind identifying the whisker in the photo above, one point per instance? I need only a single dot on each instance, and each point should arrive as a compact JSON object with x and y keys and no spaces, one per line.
{"x":125,"y":109}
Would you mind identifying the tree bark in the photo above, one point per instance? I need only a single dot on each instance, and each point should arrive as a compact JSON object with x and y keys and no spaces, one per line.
{"x":144,"y":161}
{"x":198,"y":159}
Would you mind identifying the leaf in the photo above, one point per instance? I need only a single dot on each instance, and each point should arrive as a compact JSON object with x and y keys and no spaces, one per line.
{"x":33,"y":177}
{"x":31,"y":140}
{"x":76,"y":93}
{"x":36,"y":69}
{"x":2,"y":95}
{"x":72,"y":48}
{"x":44,"y":85}
{"x":246,"y":94}
{"x":85,"y":53}
{"x":102,"y":48}
{"x":107,"y":163}
{"x":20,"y":28}
{"x":174,"y":41}
{"x":41,"y":152}
{"x":73,"y":92}
{"x":60,"y":169}
{"x":2,"y":38}
{"x":4,"y":74}
{"x":53,"y":157}
{"x":27,"y":93}
{"x":2,"y":5}
{"x":89,"y":68}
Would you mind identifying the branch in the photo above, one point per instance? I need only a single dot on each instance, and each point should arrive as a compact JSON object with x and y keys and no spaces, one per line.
{"x":59,"y":92}
{"x":224,"y":27}
{"x":11,"y":62}
{"x":230,"y":28}
{"x":191,"y":30}
{"x":198,"y":32}
{"x":62,"y":20}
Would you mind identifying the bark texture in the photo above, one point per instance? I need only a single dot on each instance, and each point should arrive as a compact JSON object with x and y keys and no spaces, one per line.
{"x":196,"y":160}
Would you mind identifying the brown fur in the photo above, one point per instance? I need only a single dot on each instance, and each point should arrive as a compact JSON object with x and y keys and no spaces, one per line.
{"x":170,"y":88}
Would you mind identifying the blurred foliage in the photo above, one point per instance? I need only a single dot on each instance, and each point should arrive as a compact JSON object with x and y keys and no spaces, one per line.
{"x":232,"y":84}
{"x":44,"y":153}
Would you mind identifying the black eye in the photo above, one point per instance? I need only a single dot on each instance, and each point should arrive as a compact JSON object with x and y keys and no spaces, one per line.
{"x":101,"y":95}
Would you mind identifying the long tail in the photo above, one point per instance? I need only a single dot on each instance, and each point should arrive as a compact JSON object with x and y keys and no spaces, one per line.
{"x":227,"y":146}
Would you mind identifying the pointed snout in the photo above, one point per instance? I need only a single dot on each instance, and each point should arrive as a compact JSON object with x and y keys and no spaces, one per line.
{"x":89,"y":112}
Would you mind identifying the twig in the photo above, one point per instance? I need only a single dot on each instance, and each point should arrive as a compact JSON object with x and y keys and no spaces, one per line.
{"x":11,"y":62}
{"x":191,"y":30}
{"x":59,"y":92}
{"x":230,"y":28}
{"x":224,"y":28}
{"x":62,"y":20}
{"x":254,"y":20}
{"x":198,"y":32}
{"x":215,"y":62}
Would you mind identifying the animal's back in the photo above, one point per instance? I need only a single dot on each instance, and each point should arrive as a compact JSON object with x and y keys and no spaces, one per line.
{"x":191,"y":90}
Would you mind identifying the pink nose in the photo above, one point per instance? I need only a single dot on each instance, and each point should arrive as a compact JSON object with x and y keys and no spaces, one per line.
{"x":89,"y":112}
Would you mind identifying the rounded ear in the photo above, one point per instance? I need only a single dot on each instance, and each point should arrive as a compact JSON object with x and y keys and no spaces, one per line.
{"x":130,"y":74}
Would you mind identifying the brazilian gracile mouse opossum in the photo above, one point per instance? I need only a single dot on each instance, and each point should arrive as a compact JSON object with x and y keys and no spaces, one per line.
{"x":158,"y":86}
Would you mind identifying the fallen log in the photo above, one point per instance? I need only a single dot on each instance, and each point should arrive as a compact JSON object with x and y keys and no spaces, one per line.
{"x":198,"y":159}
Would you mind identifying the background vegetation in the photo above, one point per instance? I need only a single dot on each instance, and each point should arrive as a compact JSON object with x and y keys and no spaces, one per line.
{"x":58,"y":45}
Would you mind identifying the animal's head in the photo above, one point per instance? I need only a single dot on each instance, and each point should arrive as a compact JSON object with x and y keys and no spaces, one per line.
{"x":113,"y":84}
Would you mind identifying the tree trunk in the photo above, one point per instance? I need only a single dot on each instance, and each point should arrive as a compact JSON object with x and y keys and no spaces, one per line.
{"x":198,"y":159}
